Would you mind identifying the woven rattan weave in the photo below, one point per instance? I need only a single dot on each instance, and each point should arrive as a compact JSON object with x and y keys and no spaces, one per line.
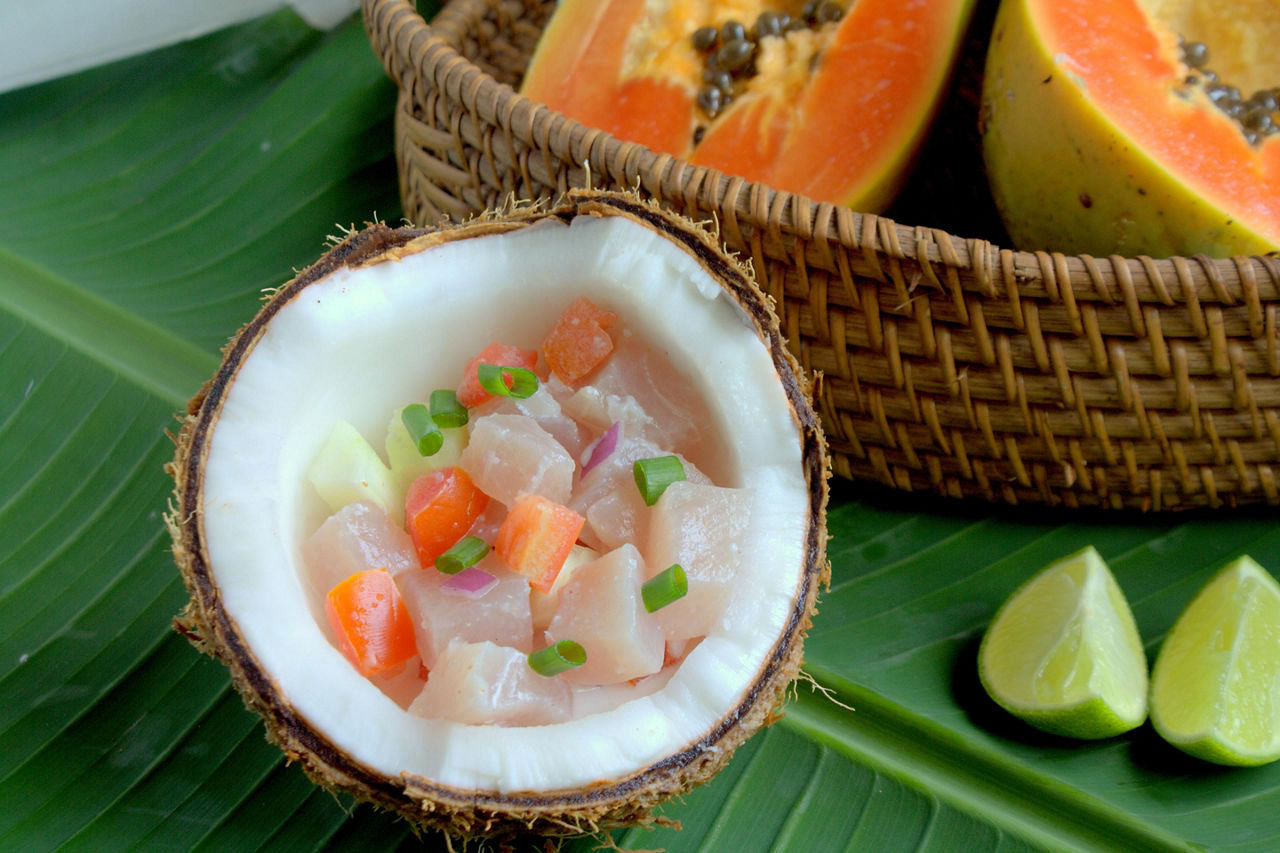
{"x":950,"y":365}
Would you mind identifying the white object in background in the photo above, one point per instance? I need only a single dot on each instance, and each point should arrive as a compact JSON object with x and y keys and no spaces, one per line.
{"x":40,"y":41}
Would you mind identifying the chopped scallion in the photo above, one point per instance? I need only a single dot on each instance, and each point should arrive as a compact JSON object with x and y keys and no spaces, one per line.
{"x":446,"y":411}
{"x":469,"y":551}
{"x":558,"y":658}
{"x":422,"y":429}
{"x":664,"y":588}
{"x":493,"y":378}
{"x":653,"y":475}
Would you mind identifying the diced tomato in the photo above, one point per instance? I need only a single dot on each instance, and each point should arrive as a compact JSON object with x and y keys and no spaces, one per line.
{"x":470,"y":392}
{"x":370,"y":622}
{"x":578,"y":343}
{"x":439,"y":508}
{"x":536,"y":538}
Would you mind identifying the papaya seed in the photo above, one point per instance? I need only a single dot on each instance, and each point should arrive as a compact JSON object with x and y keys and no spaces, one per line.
{"x":771,"y":24}
{"x":1253,"y":114}
{"x":1257,"y":120}
{"x":718,"y":77}
{"x":1195,"y":54}
{"x":732,"y":31}
{"x":730,"y":49}
{"x":705,"y":39}
{"x":828,"y":13}
{"x":1265,"y":100}
{"x":736,"y":54}
{"x":711,"y":100}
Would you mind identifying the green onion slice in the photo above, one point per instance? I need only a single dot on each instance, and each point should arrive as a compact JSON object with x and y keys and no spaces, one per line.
{"x":446,"y":411}
{"x":493,"y":378}
{"x":664,"y":588}
{"x":653,"y":475}
{"x":422,"y":429}
{"x":469,"y":551}
{"x":553,"y":660}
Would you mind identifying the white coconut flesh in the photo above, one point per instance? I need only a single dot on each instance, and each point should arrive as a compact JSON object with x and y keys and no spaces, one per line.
{"x":356,"y":345}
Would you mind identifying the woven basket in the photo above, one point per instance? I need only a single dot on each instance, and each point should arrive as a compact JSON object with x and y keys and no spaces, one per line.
{"x":950,"y":365}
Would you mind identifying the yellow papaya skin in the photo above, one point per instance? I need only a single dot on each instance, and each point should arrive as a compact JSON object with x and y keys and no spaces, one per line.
{"x":1065,"y":178}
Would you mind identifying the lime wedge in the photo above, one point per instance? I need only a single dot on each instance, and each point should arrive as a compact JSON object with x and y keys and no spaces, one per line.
{"x":1063,"y":653}
{"x":1215,"y":689}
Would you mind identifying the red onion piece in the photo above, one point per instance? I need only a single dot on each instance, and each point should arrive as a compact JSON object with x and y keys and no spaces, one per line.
{"x":469,"y":583}
{"x":606,"y":445}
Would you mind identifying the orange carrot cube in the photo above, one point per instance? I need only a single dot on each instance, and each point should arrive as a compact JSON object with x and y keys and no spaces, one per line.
{"x":578,"y":342}
{"x":439,"y":509}
{"x":470,"y":391}
{"x":536,"y":538}
{"x":370,"y":622}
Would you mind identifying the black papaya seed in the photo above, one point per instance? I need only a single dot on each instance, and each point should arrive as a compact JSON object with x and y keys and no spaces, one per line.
{"x":705,"y":39}
{"x":735,"y":55}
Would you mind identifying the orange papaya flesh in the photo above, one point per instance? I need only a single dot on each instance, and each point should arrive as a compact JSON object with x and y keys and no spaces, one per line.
{"x":558,"y":74}
{"x":835,"y":113}
{"x":865,"y":109}
{"x":1096,"y":142}
{"x":567,"y":70}
{"x":653,"y":112}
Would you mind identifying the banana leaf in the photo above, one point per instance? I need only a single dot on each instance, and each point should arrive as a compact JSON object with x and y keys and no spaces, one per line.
{"x":144,"y":206}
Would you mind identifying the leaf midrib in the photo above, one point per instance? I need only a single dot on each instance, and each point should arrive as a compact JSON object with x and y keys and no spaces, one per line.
{"x":144,"y":353}
{"x":877,"y":733}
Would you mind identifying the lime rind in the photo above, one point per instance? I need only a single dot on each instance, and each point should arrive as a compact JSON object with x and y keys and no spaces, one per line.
{"x":1063,"y":653}
{"x":1215,"y":687}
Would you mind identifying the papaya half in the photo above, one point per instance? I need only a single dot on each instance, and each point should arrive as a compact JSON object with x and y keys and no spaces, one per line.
{"x":830,"y":100}
{"x":1135,"y":127}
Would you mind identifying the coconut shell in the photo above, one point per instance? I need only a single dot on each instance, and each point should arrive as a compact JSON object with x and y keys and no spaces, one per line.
{"x":424,"y":802}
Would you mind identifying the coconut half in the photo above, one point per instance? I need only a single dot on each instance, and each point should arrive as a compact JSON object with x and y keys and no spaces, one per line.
{"x":391,"y":312}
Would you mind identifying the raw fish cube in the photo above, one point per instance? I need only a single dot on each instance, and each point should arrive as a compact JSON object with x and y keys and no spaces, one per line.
{"x":606,"y":697}
{"x":510,"y":455}
{"x":597,"y":410}
{"x":543,"y":604}
{"x":700,"y":527}
{"x":676,"y":411}
{"x":356,"y":538}
{"x":488,"y":522}
{"x":501,"y":615}
{"x":484,"y":684}
{"x":403,"y":684}
{"x":600,"y":608}
{"x":617,"y":518}
{"x":545,"y":409}
{"x":621,"y":516}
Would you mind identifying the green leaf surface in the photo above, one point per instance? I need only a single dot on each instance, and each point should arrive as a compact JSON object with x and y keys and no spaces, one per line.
{"x":144,"y":206}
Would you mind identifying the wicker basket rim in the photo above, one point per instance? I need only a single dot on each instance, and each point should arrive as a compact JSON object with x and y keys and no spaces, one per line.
{"x":433,"y":51}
